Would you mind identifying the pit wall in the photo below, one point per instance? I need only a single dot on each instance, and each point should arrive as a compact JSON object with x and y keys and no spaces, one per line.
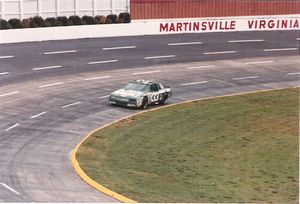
{"x":158,"y":9}
{"x":154,"y":27}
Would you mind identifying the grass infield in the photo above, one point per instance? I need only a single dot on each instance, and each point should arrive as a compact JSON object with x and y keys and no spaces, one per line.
{"x":234,"y":149}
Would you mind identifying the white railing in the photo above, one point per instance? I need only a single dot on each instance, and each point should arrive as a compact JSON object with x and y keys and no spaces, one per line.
{"x":53,"y":8}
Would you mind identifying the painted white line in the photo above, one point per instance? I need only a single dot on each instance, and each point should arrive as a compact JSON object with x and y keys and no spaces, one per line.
{"x":202,"y":67}
{"x":194,"y":83}
{"x":10,"y":93}
{"x":160,"y":57}
{"x":49,"y":67}
{"x":221,"y":81}
{"x":96,"y":78}
{"x":260,"y":62}
{"x":249,"y":77}
{"x":48,"y":85}
{"x":6,"y":57}
{"x":217,"y":53}
{"x":103,"y":62}
{"x":242,"y":41}
{"x":295,"y":73}
{"x":281,"y":49}
{"x":12,"y":127}
{"x":4,"y":73}
{"x":60,"y":52}
{"x":185,"y":43}
{"x":118,"y":48}
{"x":71,"y":104}
{"x":9,"y":188}
{"x":38,"y":115}
{"x":102,"y":97}
{"x":297,"y":38}
{"x":149,"y":72}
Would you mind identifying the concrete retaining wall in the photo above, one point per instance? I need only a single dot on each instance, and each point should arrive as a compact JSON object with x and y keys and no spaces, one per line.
{"x":153,"y":27}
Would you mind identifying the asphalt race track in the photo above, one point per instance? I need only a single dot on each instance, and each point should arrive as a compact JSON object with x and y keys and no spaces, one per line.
{"x":53,"y":93}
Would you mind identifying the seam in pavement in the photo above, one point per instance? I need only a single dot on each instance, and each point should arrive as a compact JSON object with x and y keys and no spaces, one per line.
{"x":115,"y":195}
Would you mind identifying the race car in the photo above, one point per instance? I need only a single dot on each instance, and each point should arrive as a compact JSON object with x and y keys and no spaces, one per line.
{"x":140,"y":94}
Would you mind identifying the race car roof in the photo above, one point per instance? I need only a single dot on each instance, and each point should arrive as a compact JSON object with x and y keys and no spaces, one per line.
{"x":143,"y":81}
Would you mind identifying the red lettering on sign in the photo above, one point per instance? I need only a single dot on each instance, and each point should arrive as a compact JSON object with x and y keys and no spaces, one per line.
{"x":204,"y":25}
{"x":163,"y":27}
{"x":296,"y":24}
{"x":271,"y":24}
{"x":232,"y":25}
{"x":172,"y":27}
{"x":262,"y":24}
{"x":179,"y":27}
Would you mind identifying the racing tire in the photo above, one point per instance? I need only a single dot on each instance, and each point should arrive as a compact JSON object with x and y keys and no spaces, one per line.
{"x":145,"y":103}
{"x":163,"y":100}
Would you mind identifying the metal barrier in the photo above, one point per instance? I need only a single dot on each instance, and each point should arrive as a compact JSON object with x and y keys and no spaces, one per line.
{"x":53,"y":8}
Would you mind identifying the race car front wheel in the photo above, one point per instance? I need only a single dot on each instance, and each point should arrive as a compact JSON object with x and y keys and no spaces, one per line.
{"x":145,"y":103}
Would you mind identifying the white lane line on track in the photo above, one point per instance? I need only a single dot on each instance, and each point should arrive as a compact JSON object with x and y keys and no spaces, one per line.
{"x":103,"y":62}
{"x":185,"y":43}
{"x":242,"y":41}
{"x":194,"y":83}
{"x":53,"y":84}
{"x":102,"y":97}
{"x":9,"y":93}
{"x":260,"y":62}
{"x":38,"y":115}
{"x":71,"y":104}
{"x":149,"y":72}
{"x":202,"y":67}
{"x":249,"y":77}
{"x":298,"y":39}
{"x":12,"y":127}
{"x":281,"y":49}
{"x":6,"y":57}
{"x":49,"y":67}
{"x":96,"y":78}
{"x":293,"y":73}
{"x":222,"y":81}
{"x":10,"y":188}
{"x":4,"y":73}
{"x":218,"y":53}
{"x":160,"y":57}
{"x":59,"y":52}
{"x":118,"y":48}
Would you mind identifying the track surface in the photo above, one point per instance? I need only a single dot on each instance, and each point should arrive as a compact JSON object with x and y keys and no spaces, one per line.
{"x":53,"y":93}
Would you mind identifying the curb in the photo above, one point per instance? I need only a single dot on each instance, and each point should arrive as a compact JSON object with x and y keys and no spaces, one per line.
{"x":115,"y":195}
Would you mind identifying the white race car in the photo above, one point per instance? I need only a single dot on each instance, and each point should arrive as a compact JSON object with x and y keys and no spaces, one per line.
{"x":141,"y":93}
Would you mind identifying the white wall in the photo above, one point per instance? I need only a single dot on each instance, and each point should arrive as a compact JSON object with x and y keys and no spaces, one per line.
{"x":155,"y":27}
{"x":53,"y":8}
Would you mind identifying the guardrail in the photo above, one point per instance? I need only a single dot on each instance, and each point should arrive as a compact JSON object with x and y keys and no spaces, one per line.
{"x":154,"y":27}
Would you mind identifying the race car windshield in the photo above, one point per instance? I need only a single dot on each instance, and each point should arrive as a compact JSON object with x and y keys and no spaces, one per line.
{"x":138,"y":87}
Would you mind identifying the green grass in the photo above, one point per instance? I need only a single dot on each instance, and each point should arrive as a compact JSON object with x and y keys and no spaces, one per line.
{"x":234,"y":149}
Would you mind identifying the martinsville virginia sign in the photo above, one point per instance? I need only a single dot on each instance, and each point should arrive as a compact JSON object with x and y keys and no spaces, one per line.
{"x":212,"y":25}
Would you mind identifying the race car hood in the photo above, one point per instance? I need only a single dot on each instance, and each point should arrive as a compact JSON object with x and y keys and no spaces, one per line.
{"x":127,"y":93}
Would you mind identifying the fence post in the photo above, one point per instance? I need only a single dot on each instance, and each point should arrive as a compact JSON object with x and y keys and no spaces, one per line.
{"x":128,"y":6}
{"x":113,"y":6}
{"x":76,"y":6}
{"x":57,"y":7}
{"x":39,"y":7}
{"x":2,"y":9}
{"x":21,"y":7}
{"x":94,"y":8}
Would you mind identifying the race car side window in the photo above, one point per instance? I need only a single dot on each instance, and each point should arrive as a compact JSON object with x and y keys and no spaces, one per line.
{"x":154,"y":88}
{"x":161,"y":86}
